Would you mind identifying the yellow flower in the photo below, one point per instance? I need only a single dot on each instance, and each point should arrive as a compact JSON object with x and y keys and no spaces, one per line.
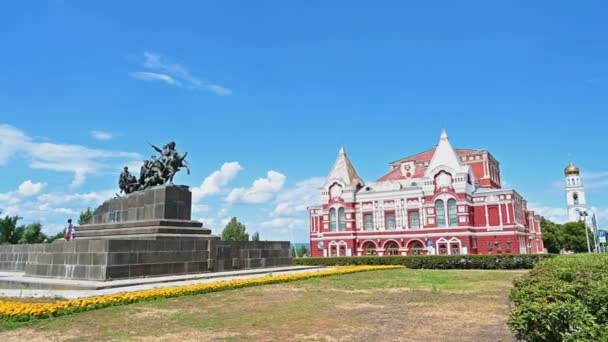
{"x":24,"y":310}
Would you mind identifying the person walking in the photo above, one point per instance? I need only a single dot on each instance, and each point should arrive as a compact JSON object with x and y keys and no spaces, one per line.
{"x":69,"y":231}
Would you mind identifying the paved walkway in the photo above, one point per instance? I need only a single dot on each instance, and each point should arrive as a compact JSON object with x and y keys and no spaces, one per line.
{"x":97,"y":288}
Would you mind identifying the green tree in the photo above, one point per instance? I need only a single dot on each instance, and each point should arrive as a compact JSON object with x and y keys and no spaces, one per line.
{"x":33,"y":234}
{"x":57,"y":236}
{"x":235,"y":231}
{"x":303,"y":250}
{"x":569,"y":236}
{"x":85,"y":217}
{"x":574,"y":238}
{"x":551,"y":235}
{"x":10,"y":233}
{"x":255,"y":236}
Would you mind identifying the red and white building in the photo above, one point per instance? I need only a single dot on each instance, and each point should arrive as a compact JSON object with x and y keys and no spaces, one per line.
{"x":441,"y":201}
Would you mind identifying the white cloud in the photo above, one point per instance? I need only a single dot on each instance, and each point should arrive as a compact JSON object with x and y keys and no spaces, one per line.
{"x":47,"y":208}
{"x":595,"y":180}
{"x":101,"y":135}
{"x":295,"y":200}
{"x":199,"y":208}
{"x":11,"y":141}
{"x":283,"y":222}
{"x":58,"y":210}
{"x":289,"y":218}
{"x":93,"y":198}
{"x":218,"y":89}
{"x":175,"y":74}
{"x":223,"y":222}
{"x":76,"y":159}
{"x":152,"y":76}
{"x":214,"y":183}
{"x":262,"y":190}
{"x":223,"y":212}
{"x":28,"y":188}
{"x":591,"y":180}
{"x":601,"y":217}
{"x":285,"y":228}
{"x":555,"y":214}
{"x":208,"y":222}
{"x":560,"y":215}
{"x":595,"y":175}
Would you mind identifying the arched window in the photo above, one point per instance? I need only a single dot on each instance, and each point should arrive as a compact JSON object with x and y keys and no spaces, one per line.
{"x":440,"y":211}
{"x":392,"y":248}
{"x":342,"y":219}
{"x":369,"y":249}
{"x":575,"y":198}
{"x":414,"y":220}
{"x":416,"y":248}
{"x":332,"y":219}
{"x":452,"y":216}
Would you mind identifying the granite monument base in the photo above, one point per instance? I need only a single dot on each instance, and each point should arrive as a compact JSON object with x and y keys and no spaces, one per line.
{"x":142,"y":234}
{"x":105,"y":259}
{"x":156,"y":213}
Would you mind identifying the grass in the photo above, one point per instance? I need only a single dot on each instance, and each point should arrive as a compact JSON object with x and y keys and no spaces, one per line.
{"x":394,"y":304}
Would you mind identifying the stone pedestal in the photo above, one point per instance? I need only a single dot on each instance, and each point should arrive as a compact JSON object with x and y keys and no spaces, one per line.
{"x":143,"y":234}
{"x":161,"y":212}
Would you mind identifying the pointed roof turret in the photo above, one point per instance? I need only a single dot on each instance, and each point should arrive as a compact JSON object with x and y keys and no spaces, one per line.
{"x":343,"y":170}
{"x":444,"y":155}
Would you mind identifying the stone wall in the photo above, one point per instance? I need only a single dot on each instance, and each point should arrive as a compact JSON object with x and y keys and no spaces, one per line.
{"x":249,"y":254}
{"x":14,"y":257}
{"x":119,"y":259}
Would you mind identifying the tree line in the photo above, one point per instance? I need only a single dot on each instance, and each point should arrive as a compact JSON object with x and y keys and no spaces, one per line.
{"x":569,"y":236}
{"x":236,"y":231}
{"x":11,"y":232}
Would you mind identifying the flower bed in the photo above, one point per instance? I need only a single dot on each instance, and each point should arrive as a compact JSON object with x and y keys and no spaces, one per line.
{"x":24,"y":311}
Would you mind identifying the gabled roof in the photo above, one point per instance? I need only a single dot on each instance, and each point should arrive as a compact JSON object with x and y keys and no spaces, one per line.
{"x":444,"y":155}
{"x":343,"y":170}
{"x":397,"y":174}
{"x":428,"y":155}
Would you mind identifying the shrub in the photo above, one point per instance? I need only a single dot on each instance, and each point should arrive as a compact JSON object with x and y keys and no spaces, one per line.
{"x":502,"y":262}
{"x":562,"y":299}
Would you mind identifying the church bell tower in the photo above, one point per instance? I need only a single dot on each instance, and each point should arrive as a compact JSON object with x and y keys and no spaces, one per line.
{"x":575,"y":192}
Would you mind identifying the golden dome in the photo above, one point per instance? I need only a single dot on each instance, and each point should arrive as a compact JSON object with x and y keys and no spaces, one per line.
{"x":571,"y":169}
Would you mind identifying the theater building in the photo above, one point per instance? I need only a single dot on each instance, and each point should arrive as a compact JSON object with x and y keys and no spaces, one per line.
{"x":441,"y":201}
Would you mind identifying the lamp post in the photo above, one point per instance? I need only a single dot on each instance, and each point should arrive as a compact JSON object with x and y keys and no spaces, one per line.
{"x":595,"y":237}
{"x":583,"y":215}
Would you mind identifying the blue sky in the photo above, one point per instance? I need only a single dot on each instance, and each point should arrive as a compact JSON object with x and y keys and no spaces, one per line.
{"x":262,"y":94}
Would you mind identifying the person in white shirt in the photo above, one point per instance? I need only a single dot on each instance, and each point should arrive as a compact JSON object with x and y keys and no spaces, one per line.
{"x":70,"y":233}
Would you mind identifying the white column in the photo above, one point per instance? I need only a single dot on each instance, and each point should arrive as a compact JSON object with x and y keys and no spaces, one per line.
{"x":500,"y":213}
{"x":421,"y":214}
{"x":487,"y":217}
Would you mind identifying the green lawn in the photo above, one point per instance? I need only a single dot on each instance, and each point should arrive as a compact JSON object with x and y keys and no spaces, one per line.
{"x":404,"y":304}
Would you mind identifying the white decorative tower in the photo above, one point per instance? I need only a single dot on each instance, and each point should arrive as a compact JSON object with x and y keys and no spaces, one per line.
{"x":575,"y":192}
{"x":343,"y":181}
